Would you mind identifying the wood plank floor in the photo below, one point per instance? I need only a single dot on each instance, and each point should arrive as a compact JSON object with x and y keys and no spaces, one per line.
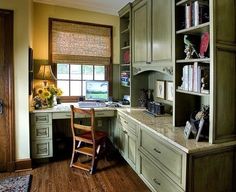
{"x":111,"y":176}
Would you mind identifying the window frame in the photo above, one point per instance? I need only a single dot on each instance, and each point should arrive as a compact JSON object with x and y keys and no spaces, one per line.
{"x":108,"y":68}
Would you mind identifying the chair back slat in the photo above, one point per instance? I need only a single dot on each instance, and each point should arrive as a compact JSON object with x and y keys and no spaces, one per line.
{"x":82,"y":127}
{"x":78,"y":125}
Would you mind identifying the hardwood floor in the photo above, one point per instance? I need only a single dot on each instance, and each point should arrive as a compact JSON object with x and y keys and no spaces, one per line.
{"x":111,"y":176}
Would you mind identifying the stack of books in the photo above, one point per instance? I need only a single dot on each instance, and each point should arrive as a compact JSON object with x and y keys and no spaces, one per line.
{"x":125,"y":78}
{"x":196,"y":13}
{"x":195,"y":78}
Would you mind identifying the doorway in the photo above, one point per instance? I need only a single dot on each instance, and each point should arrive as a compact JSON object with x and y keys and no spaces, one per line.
{"x":7,"y":130}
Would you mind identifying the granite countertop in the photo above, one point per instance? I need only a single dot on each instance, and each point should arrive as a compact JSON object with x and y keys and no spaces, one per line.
{"x":162,"y":126}
{"x":65,"y":107}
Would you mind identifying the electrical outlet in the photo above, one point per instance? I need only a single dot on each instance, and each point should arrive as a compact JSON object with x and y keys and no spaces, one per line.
{"x":99,"y":123}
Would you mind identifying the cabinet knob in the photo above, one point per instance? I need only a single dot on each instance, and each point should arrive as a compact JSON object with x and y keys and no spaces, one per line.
{"x":156,"y":150}
{"x":155,"y":180}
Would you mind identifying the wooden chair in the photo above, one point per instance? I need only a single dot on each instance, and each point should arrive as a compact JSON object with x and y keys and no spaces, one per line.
{"x":87,"y":143}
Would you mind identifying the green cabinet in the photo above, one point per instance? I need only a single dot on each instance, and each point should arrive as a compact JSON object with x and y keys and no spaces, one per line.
{"x":152,"y":34}
{"x":41,"y":135}
{"x":126,"y":139}
{"x":141,"y":32}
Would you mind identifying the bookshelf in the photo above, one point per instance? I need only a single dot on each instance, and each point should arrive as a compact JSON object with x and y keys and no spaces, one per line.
{"x":125,"y":49}
{"x":218,"y":59}
{"x":192,"y":69}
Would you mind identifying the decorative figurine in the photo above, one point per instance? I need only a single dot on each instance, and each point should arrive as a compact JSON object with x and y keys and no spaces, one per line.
{"x":204,"y":44}
{"x":189,"y":48}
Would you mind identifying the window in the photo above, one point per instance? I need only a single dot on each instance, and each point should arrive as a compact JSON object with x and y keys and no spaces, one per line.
{"x":71,"y":78}
{"x":79,"y":52}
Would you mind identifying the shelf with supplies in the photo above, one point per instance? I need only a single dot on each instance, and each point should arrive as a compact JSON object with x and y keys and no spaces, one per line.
{"x":125,"y":50}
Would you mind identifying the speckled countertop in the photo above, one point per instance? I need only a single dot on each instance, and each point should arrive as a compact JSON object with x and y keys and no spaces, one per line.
{"x":162,"y":126}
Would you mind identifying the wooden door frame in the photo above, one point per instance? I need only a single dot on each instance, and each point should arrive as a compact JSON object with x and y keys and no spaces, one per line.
{"x":8,"y":55}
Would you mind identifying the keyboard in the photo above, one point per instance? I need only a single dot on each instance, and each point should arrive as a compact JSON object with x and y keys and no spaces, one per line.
{"x":90,"y":104}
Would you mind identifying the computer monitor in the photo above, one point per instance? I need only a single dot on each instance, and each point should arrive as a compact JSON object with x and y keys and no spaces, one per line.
{"x":97,"y":90}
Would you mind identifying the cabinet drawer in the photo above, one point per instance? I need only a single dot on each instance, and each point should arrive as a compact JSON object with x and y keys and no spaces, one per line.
{"x":171,"y":160}
{"x":41,"y":131}
{"x":128,"y":124}
{"x":42,"y":149}
{"x":41,"y":118}
{"x":155,"y":178}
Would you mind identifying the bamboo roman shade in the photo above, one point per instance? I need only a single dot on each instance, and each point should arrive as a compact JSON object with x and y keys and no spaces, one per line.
{"x":79,"y":43}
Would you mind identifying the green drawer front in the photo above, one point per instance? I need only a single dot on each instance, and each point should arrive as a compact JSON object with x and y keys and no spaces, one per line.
{"x":128,"y":124}
{"x":171,"y":160}
{"x":42,"y":149}
{"x":155,"y":177}
{"x":42,"y":131}
{"x":41,"y":118}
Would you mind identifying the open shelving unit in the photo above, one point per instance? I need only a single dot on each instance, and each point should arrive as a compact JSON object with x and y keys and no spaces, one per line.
{"x":125,"y":50}
{"x":189,"y":89}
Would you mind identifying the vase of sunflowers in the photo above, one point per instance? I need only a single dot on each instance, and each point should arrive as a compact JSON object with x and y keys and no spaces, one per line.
{"x":46,"y":97}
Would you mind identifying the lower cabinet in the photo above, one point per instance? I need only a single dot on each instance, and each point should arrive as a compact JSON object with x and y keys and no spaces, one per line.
{"x":161,"y":165}
{"x":41,"y":135}
{"x":154,"y":177}
{"x":127,"y":139}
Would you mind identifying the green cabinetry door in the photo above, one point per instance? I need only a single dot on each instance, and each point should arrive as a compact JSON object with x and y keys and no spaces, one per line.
{"x":141,"y":32}
{"x":152,"y":33}
{"x":162,"y":30}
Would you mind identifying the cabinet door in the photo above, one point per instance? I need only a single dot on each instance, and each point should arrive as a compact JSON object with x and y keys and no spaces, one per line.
{"x":141,"y":33}
{"x":123,"y":142}
{"x":131,"y":149}
{"x":162,"y":30}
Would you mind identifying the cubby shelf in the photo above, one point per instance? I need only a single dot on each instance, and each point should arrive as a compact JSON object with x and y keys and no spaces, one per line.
{"x":191,"y":92}
{"x":204,"y":27}
{"x":200,"y":60}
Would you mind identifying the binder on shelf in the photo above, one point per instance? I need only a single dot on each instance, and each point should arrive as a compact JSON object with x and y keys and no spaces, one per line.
{"x":188,"y":14}
{"x":200,"y":13}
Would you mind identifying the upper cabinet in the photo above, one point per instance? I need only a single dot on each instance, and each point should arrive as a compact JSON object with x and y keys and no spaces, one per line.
{"x":152,"y":34}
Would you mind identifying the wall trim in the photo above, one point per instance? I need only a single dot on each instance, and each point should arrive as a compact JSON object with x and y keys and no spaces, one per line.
{"x":23,"y":165}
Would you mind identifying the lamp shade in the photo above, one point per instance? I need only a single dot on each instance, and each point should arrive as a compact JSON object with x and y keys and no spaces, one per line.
{"x":45,"y":73}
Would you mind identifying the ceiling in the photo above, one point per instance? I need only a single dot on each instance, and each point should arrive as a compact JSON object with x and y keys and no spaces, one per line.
{"x":103,"y":6}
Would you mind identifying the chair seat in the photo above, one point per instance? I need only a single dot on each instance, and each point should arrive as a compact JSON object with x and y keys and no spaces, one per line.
{"x":99,"y":135}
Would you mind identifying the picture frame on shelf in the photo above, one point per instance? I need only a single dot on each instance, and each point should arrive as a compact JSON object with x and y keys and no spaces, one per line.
{"x":160,"y":89}
{"x":169,"y":91}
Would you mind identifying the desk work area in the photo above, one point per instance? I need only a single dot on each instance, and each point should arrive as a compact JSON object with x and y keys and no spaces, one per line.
{"x":149,"y":144}
{"x":45,"y":124}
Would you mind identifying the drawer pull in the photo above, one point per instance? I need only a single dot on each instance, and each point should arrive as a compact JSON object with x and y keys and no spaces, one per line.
{"x":156,"y":150}
{"x":155,"y":180}
{"x":125,"y":132}
{"x":41,"y":118}
{"x":125,"y":122}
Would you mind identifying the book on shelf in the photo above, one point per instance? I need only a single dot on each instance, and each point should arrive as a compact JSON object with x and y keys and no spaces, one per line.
{"x":188,"y":16}
{"x":200,"y":13}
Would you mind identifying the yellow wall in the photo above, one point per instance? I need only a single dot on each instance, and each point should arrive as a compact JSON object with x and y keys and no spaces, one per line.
{"x":42,"y":12}
{"x":22,"y":40}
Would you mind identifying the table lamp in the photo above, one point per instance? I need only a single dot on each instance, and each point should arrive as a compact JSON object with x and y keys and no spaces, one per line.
{"x":45,"y":73}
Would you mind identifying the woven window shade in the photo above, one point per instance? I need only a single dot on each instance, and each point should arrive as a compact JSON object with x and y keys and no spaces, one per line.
{"x":78,"y":43}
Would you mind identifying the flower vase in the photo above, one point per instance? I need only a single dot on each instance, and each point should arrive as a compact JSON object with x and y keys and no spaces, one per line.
{"x":50,"y":102}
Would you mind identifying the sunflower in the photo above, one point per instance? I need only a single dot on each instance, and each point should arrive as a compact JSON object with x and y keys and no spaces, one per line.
{"x":40,"y":91}
{"x":46,"y":94}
